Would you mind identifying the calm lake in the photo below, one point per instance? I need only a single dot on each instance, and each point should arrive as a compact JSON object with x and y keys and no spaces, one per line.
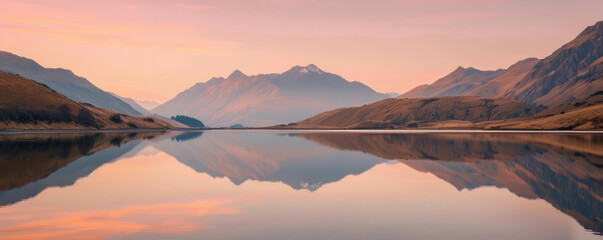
{"x":248,"y":184}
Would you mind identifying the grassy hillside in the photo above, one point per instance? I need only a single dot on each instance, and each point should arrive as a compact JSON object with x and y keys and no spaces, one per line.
{"x":65,"y":82}
{"x":414,"y":112}
{"x":589,"y":118}
{"x":580,"y":114}
{"x":25,"y":104}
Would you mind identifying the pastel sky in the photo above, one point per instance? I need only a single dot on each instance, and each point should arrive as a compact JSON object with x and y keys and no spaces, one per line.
{"x":154,"y":49}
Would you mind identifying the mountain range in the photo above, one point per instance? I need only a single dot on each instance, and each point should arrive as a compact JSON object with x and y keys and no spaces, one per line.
{"x":569,"y":81}
{"x":573,"y":71}
{"x":147,"y":104}
{"x":268,"y":99}
{"x":64,"y":82}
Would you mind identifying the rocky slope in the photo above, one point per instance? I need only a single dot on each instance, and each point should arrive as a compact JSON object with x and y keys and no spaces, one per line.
{"x":573,"y":71}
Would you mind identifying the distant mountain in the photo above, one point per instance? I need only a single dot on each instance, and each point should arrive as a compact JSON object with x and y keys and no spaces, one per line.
{"x":64,"y":82}
{"x":310,"y":82}
{"x":573,"y":71}
{"x":26,"y":104}
{"x":393,"y":94}
{"x":409,"y":113}
{"x":147,"y":104}
{"x":267,"y":99}
{"x":133,"y":103}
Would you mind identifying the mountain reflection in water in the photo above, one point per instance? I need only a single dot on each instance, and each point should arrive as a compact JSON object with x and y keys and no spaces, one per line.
{"x":30,"y":163}
{"x":565,"y":170}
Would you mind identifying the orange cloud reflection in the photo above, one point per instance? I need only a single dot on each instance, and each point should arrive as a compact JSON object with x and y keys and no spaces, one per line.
{"x":159,"y":218}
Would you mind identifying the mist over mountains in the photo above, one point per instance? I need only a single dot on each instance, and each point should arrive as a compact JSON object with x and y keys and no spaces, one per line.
{"x":268,"y":99}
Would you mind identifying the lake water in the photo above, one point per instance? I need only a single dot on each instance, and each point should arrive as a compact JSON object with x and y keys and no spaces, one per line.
{"x":243,"y":184}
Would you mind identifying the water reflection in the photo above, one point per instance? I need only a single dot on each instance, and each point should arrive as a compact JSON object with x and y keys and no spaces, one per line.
{"x":265,"y":157}
{"x":33,"y":162}
{"x":187,"y":136}
{"x":565,"y":170}
{"x":562,"y":169}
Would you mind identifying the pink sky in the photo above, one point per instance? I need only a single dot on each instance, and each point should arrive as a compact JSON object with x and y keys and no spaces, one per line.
{"x":155,"y":49}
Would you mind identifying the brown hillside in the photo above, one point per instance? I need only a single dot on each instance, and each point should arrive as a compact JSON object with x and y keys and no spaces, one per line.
{"x":23,"y":93}
{"x":592,"y":100}
{"x":25,"y":104}
{"x":588,"y":118}
{"x":580,"y":114}
{"x":400,"y":113}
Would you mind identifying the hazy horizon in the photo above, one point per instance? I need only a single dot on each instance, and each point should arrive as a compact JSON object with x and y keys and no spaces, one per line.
{"x":153,"y":50}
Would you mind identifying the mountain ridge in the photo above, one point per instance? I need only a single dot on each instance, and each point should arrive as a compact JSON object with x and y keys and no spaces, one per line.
{"x":561,"y":67}
{"x":471,"y":82}
{"x":63,"y":81}
{"x":572,"y":71}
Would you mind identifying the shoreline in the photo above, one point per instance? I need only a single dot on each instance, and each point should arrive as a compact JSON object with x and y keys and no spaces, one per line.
{"x":320,"y":130}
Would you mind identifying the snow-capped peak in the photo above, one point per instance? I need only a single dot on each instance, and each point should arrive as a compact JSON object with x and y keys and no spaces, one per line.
{"x":310,"y":68}
{"x":313,"y":68}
